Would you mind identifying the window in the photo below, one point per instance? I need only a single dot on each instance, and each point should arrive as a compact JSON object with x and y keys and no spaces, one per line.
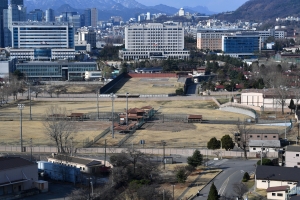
{"x":273,"y":194}
{"x":250,"y":136}
{"x":254,"y":148}
{"x":274,"y":136}
{"x":297,"y":155}
{"x":279,"y":194}
{"x":264,"y":181}
{"x":258,"y":136}
{"x":298,"y":163}
{"x":266,"y":136}
{"x":290,"y":183}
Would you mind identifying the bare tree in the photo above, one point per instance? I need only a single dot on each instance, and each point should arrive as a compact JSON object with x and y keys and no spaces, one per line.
{"x":59,"y":89}
{"x":36,"y":90}
{"x":240,"y":189}
{"x":58,"y":128}
{"x":241,"y":136}
{"x":50,"y":89}
{"x":14,"y":85}
{"x":279,"y":83}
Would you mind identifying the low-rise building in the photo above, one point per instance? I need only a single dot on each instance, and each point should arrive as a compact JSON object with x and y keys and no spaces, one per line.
{"x":264,"y":146}
{"x":273,"y":176}
{"x":17,"y":175}
{"x":292,"y":156}
{"x":278,"y":193}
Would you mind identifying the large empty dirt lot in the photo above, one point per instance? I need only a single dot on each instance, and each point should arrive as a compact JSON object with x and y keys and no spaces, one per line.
{"x":147,"y":86}
{"x":176,"y":134}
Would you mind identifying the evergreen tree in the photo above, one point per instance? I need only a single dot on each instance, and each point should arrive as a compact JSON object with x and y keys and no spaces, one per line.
{"x":292,"y":105}
{"x":196,"y":159}
{"x":227,"y":142}
{"x":213,"y":193}
{"x":214,"y":143}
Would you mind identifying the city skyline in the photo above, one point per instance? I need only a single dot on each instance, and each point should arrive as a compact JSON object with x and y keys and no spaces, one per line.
{"x":212,"y":5}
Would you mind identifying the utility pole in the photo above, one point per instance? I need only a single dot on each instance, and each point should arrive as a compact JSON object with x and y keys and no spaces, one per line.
{"x":21,"y":107}
{"x":30,"y":116}
{"x":31,"y":149}
{"x":164,"y":144}
{"x":298,"y":133}
{"x":285,"y":128}
{"x":71,"y":146}
{"x":261,"y":153}
{"x":98,"y":103}
{"x":105,"y":153}
{"x":127,"y":108}
{"x":221,"y":149}
{"x":112,"y":113}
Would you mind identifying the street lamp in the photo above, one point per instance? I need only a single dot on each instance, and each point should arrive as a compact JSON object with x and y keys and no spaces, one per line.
{"x":173,"y":192}
{"x":112,"y":96}
{"x":261,"y":153}
{"x":164,"y":144}
{"x":127,"y":108}
{"x":21,"y":107}
{"x":98,"y":103}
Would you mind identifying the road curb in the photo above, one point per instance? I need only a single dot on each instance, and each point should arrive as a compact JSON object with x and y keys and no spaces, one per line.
{"x":205,"y":185}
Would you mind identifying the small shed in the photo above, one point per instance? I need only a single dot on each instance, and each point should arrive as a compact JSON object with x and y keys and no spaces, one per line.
{"x":278,"y":192}
{"x":168,"y":160}
{"x":41,"y":185}
{"x":194,"y":118}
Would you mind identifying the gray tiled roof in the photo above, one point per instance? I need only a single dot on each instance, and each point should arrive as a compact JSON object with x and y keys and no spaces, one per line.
{"x":263,"y":131}
{"x":293,"y":148}
{"x":265,"y":143}
{"x":13,"y":162}
{"x":78,"y":160}
{"x":264,"y":172}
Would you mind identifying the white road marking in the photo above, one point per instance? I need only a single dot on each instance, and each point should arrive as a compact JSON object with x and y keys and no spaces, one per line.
{"x":224,"y":185}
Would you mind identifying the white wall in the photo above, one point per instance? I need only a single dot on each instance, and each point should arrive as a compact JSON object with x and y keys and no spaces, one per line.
{"x":263,"y":184}
{"x":258,"y":149}
{"x":275,"y":195}
{"x":291,"y":159}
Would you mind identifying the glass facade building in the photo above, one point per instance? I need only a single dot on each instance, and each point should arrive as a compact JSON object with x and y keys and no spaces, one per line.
{"x":56,"y":70}
{"x":42,"y":35}
{"x":241,"y":44}
{"x":50,"y":17}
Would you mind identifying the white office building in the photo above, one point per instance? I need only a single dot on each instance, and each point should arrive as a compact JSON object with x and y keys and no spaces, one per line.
{"x":154,"y":41}
{"x":33,"y":40}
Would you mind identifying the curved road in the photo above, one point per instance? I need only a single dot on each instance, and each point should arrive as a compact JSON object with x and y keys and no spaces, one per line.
{"x":233,"y":172}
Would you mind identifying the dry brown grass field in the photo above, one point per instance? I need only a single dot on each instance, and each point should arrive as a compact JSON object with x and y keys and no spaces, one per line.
{"x":147,"y":86}
{"x":176,"y":134}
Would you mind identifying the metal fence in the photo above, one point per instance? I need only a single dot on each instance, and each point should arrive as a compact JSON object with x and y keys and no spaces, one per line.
{"x":153,"y":151}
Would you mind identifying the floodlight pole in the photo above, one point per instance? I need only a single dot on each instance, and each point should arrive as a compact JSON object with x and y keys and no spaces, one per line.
{"x":21,"y":107}
{"x":98,"y":103}
{"x":30,"y":116}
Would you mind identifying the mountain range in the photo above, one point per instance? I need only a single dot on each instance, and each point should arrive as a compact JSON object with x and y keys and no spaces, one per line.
{"x":258,"y":10}
{"x":125,"y":8}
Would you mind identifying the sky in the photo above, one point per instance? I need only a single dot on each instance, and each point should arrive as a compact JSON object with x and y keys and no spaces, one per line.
{"x":212,"y":5}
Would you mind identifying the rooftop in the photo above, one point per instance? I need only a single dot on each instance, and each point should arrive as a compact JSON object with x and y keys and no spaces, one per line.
{"x":264,"y":143}
{"x":264,"y":172}
{"x":293,"y":148}
{"x":77,"y":160}
{"x":278,"y":188}
{"x":13,"y":162}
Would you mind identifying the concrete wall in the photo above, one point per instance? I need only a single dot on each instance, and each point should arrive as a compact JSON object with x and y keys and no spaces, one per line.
{"x":291,"y":159}
{"x":258,"y":149}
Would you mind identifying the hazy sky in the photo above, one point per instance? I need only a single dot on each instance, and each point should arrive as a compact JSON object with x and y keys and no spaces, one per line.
{"x":212,"y":5}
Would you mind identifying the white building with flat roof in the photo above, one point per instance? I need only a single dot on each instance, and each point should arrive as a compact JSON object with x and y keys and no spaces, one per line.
{"x":154,"y":41}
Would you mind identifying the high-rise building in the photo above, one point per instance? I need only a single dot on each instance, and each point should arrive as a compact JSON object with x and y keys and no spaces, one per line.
{"x":211,"y":39}
{"x":50,"y":17}
{"x":41,"y":39}
{"x":94,"y":17}
{"x":14,"y":13}
{"x":154,"y":41}
{"x":67,"y":15}
{"x":17,"y":2}
{"x":181,"y":12}
{"x":3,"y":6}
{"x":36,"y":15}
{"x":87,"y":17}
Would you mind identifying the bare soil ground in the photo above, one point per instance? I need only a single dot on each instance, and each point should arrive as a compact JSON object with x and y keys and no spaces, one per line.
{"x":147,"y":86}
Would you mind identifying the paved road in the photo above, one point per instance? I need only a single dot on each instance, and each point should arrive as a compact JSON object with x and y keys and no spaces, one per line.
{"x":233,"y":171}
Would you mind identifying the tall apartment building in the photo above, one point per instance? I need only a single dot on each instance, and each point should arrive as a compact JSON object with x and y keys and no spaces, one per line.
{"x":35,"y":15}
{"x":94,"y":17}
{"x":271,"y":33}
{"x":154,"y":41}
{"x":10,"y":15}
{"x":31,"y":40}
{"x":87,"y":17}
{"x":3,"y":6}
{"x":211,"y":39}
{"x":241,"y":45}
{"x":17,"y":2}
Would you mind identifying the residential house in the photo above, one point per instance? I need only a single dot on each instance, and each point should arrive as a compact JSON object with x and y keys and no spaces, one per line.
{"x":274,"y":176}
{"x":17,"y":175}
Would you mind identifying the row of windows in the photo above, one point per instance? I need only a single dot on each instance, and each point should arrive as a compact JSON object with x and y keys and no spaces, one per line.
{"x":258,"y":136}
